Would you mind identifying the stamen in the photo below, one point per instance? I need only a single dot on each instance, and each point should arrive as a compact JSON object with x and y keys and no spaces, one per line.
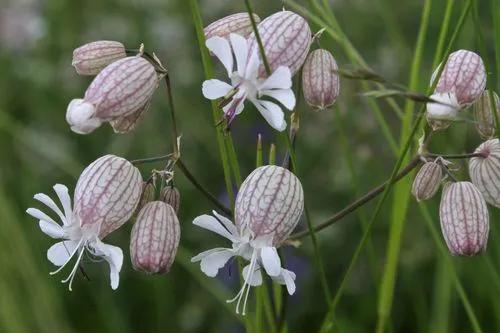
{"x":246,"y":285}
{"x":69,"y":258}
{"x":71,"y":275}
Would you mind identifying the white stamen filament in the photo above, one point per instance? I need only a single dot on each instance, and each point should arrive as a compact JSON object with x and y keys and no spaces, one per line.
{"x":69,"y":258}
{"x":246,"y":285}
{"x":73,"y":271}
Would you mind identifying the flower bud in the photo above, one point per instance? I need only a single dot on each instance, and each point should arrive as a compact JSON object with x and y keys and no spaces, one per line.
{"x":427,"y":181}
{"x":154,"y":238}
{"x":286,"y":38}
{"x":320,"y":80}
{"x":91,"y":58}
{"x":170,"y":195}
{"x":147,"y":195}
{"x":107,"y":193}
{"x":464,"y":219}
{"x":462,"y":81}
{"x":485,"y":171}
{"x":484,"y":116}
{"x":119,"y":93}
{"x":238,"y":23}
{"x":269,"y":204}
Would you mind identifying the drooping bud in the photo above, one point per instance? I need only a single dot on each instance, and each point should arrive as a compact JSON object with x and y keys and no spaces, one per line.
{"x":107,"y":193}
{"x":319,"y":79}
{"x":147,"y":195}
{"x":154,"y":238}
{"x":427,"y":181}
{"x":286,"y":38}
{"x":171,"y":195}
{"x":462,"y":81}
{"x":91,"y":58}
{"x":485,"y":171}
{"x":269,"y":204}
{"x":238,"y":23}
{"x":484,"y":116}
{"x":120,"y":93}
{"x":464,"y":219}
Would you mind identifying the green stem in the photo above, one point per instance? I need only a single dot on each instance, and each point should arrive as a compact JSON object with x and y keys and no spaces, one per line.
{"x":401,"y":190}
{"x":216,"y":113}
{"x":257,"y":37}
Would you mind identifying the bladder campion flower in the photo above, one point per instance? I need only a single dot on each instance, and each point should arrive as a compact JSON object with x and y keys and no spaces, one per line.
{"x":268,"y":206}
{"x":238,"y":23}
{"x":91,"y":58}
{"x":484,"y":114}
{"x":119,"y":94}
{"x":245,"y":83}
{"x":106,"y":196}
{"x":485,"y":171}
{"x":319,"y":81}
{"x":154,"y":238}
{"x":462,"y":81}
{"x":427,"y":181}
{"x":464,"y":219}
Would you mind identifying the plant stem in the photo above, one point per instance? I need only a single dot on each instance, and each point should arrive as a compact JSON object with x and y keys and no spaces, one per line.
{"x":170,"y":99}
{"x":200,"y":187}
{"x":359,"y":202}
{"x":257,"y":37}
{"x":456,"y":156}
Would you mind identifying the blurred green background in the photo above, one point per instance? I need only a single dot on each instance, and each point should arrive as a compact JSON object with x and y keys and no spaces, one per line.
{"x":38,"y":150}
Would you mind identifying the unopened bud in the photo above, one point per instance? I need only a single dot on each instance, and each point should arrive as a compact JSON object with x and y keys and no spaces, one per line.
{"x":154,"y":238}
{"x":91,"y":58}
{"x":120,"y":94}
{"x":319,"y":79}
{"x":147,"y":195}
{"x":462,"y":81}
{"x":484,"y":114}
{"x":427,"y":181}
{"x":464,"y":219}
{"x":171,"y":195}
{"x":238,"y":23}
{"x":286,"y":38}
{"x":485,"y":171}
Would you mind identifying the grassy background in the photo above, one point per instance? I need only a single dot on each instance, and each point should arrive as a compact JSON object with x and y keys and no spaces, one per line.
{"x":341,"y":152}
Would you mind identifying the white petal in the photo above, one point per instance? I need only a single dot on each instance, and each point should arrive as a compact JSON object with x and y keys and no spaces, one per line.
{"x":446,"y":109}
{"x":240,"y":49}
{"x":63,"y":194}
{"x":80,"y":116}
{"x":53,"y":230}
{"x":220,"y":47}
{"x":213,"y":89}
{"x":211,"y":223}
{"x":213,"y":260}
{"x":256,"y":278}
{"x":114,"y":256}
{"x":284,"y":96}
{"x":226,"y":222}
{"x":271,"y":261}
{"x":252,"y":65}
{"x":59,"y":253}
{"x":45,"y":199}
{"x":38,"y":214}
{"x":287,"y":278}
{"x":239,"y":98}
{"x":280,"y":79}
{"x":272,"y":113}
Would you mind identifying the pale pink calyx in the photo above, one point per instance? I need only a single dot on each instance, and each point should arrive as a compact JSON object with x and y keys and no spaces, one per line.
{"x":119,"y":94}
{"x":104,"y":199}
{"x":91,"y":58}
{"x":274,"y":197}
{"x":238,"y":23}
{"x":154,"y":238}
{"x":246,"y":85}
{"x":286,"y":38}
{"x":484,"y":171}
{"x":464,"y":219}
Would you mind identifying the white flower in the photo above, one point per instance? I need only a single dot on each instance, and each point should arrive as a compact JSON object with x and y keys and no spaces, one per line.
{"x":259,"y":251}
{"x":246,"y":84}
{"x":76,"y":238}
